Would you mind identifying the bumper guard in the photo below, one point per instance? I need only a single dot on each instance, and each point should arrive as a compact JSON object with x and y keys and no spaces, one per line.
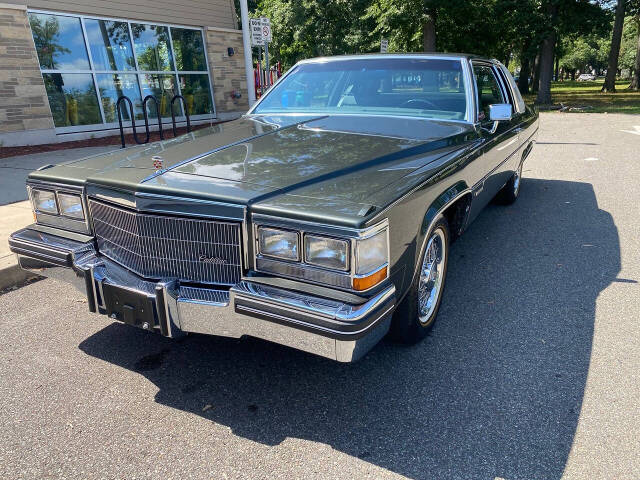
{"x":318,"y":325}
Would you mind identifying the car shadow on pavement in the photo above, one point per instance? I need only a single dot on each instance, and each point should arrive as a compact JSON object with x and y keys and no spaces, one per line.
{"x":494,"y":391}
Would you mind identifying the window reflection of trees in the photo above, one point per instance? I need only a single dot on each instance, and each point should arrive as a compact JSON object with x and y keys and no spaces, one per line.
{"x":152,"y":47}
{"x":117,"y":47}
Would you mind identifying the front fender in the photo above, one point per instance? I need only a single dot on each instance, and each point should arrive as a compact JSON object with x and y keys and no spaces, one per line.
{"x":445,"y":199}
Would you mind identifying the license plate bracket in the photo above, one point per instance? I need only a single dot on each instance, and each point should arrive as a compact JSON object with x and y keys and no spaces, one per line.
{"x":129,"y":306}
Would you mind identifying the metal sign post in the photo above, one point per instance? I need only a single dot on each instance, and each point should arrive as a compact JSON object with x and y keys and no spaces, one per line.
{"x":248,"y":62}
{"x":257,"y":40}
{"x":260,"y":37}
{"x":265,"y":23}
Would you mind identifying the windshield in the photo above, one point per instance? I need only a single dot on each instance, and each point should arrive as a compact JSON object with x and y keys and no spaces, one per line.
{"x":431,"y":88}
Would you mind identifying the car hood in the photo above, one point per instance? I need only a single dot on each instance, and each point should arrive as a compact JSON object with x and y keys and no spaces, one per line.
{"x":279,"y":162}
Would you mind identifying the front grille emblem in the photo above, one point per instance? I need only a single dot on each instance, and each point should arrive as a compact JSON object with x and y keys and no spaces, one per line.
{"x":214,"y":260}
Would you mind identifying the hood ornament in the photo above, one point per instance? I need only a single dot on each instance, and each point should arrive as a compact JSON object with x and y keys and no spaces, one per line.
{"x":157,"y":162}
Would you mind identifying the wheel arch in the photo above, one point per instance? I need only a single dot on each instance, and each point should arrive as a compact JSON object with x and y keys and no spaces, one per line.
{"x":454,"y":204}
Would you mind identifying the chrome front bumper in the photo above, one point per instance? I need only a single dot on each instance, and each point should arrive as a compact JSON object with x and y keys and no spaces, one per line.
{"x":325,"y":327}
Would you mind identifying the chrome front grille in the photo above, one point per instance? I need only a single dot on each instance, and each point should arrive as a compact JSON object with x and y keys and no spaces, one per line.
{"x":157,"y":246}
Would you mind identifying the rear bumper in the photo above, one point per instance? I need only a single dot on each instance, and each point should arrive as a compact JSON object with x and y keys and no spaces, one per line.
{"x":318,"y":325}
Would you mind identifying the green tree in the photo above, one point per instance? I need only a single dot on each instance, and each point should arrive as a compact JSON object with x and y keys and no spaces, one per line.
{"x":584,"y":52}
{"x":560,"y":18}
{"x":311,"y":28}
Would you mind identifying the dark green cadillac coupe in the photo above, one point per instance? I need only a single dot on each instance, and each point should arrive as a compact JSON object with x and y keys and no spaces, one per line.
{"x":322,"y":219}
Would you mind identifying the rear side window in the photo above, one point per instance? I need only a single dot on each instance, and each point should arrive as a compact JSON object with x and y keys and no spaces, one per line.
{"x":519,"y":102}
{"x":488,"y":90}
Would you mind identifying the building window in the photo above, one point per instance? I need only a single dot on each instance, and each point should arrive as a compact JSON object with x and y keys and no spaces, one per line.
{"x":89,"y":63}
{"x":153,"y":47}
{"x":72,"y":97}
{"x":110,"y":45}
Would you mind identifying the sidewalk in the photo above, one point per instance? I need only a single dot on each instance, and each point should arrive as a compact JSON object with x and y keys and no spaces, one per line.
{"x":14,"y":170}
{"x":15,"y":210}
{"x":14,"y":217}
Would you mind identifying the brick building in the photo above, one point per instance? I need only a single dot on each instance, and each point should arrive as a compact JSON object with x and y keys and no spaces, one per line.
{"x":64,"y":64}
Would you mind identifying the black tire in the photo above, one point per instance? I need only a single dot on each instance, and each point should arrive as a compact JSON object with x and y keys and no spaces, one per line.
{"x":509,"y":193}
{"x":406,"y":326}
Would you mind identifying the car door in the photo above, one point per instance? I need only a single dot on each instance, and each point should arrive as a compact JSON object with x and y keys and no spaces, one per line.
{"x":501,"y":140}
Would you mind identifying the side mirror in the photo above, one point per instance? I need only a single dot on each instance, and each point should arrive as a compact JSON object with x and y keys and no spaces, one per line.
{"x":499,"y":112}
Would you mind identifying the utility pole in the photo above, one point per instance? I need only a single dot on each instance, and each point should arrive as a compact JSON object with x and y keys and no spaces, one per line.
{"x":266,"y":61}
{"x":248,"y":57}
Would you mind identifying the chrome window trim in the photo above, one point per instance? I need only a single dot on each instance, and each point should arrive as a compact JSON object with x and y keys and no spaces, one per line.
{"x":515,"y":94}
{"x":318,"y":115}
{"x":465,"y":75}
{"x":495,"y":67}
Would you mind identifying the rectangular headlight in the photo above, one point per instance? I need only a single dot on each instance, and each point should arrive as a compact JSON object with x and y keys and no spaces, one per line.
{"x":44,"y":201}
{"x":326,"y":252}
{"x":372,"y":253}
{"x":71,"y":205}
{"x":273,"y":242}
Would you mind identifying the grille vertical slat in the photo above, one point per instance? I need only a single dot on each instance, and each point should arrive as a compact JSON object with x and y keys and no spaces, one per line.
{"x":156,"y":246}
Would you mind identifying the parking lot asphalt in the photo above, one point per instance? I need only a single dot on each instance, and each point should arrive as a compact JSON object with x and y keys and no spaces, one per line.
{"x":531,"y":372}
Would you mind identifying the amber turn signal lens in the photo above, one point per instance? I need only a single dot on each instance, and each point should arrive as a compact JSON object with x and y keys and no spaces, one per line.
{"x":369,"y":281}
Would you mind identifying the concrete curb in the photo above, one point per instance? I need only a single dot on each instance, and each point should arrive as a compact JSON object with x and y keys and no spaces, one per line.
{"x":11,"y":275}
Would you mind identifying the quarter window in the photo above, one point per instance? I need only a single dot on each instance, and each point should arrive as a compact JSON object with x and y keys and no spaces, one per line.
{"x":488,"y":90}
{"x":89,"y":63}
{"x":519,"y":102}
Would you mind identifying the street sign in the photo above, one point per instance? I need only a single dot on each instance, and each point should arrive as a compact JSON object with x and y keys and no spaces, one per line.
{"x":384,"y":45}
{"x":255,"y":26}
{"x":266,"y":29}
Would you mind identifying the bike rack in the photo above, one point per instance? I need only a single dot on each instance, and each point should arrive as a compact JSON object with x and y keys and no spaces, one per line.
{"x":126,"y":99}
{"x":133,"y":121}
{"x":173,"y":115}
{"x":144,"y":109}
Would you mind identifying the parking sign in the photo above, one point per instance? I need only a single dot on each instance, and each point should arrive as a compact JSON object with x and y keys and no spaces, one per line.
{"x":255,"y":25}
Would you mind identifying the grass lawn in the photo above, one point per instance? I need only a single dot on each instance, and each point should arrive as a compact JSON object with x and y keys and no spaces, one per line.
{"x":587,"y":94}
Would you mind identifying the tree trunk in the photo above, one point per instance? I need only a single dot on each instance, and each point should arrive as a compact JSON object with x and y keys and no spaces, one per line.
{"x":557,"y":75}
{"x":546,"y":69}
{"x":429,"y":32}
{"x":635,"y":81}
{"x":547,"y":51}
{"x":536,"y":73}
{"x":525,"y":71}
{"x":614,"y":53}
{"x":573,"y":74}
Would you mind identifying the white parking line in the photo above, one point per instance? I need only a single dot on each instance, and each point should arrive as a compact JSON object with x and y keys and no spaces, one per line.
{"x":635,"y":131}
